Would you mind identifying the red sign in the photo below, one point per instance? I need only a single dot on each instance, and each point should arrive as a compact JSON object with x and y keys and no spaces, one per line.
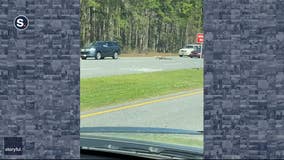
{"x":199,"y":38}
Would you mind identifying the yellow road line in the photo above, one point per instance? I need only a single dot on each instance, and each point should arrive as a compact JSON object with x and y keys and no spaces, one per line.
{"x":138,"y":104}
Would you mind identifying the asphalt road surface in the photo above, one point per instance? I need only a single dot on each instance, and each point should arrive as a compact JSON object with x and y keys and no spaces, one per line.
{"x":129,"y":65}
{"x":180,"y":111}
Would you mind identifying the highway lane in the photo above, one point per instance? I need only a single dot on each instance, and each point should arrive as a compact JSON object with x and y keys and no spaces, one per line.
{"x":129,"y":65}
{"x":181,"y":111}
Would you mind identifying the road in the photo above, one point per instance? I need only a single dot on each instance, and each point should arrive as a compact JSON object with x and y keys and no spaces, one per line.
{"x":180,"y":111}
{"x":129,"y":65}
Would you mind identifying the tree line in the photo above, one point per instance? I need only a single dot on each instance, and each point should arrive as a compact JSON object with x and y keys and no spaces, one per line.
{"x":141,"y":25}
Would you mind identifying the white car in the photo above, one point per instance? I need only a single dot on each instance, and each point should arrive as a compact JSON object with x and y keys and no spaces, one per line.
{"x":186,"y":50}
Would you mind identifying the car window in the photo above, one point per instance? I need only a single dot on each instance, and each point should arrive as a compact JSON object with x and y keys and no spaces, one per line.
{"x":115,"y":44}
{"x":196,"y":48}
{"x":109,"y":43}
{"x":188,"y":46}
{"x":153,"y":92}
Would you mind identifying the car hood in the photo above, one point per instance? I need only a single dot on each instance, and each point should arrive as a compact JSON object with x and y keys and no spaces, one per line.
{"x":144,"y":140}
{"x":139,"y":130}
{"x":180,"y":137}
{"x":85,"y":49}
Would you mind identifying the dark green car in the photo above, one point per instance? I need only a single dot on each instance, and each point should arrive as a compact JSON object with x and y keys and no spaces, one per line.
{"x":100,"y":50}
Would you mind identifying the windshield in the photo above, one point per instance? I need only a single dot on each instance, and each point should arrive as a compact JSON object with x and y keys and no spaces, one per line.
{"x":144,"y":91}
{"x":90,"y":45}
{"x":188,"y":47}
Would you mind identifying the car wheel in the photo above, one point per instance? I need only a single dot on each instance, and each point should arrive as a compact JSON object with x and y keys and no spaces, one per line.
{"x":180,"y":55}
{"x":98,"y":55}
{"x":115,"y":55}
{"x":84,"y":58}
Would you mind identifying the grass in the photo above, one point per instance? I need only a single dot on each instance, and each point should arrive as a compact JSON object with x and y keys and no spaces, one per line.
{"x":104,"y":91}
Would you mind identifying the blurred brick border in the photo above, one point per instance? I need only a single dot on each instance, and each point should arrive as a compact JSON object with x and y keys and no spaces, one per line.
{"x":39,"y":78}
{"x":244,"y":79}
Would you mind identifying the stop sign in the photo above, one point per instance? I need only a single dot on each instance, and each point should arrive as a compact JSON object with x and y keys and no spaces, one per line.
{"x":199,"y":38}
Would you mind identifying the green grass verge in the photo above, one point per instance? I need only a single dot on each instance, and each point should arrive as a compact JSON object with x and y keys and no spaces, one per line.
{"x":103,"y":91}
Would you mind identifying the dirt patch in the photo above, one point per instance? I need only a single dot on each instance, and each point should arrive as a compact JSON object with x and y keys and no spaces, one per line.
{"x":150,"y":54}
